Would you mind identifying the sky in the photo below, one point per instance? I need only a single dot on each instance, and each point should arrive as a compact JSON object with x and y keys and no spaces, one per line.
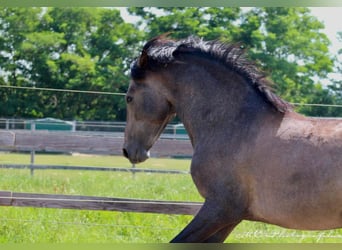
{"x":332,"y":19}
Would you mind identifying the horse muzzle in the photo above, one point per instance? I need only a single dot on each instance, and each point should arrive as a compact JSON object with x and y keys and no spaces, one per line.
{"x":136,"y":155}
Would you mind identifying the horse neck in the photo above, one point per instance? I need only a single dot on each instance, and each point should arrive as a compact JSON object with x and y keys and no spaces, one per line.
{"x":210,"y":98}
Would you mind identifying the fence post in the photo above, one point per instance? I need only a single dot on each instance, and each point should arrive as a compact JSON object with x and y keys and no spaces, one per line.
{"x":133,"y":172}
{"x":73,"y":126}
{"x":32,"y":162}
{"x":33,"y":128}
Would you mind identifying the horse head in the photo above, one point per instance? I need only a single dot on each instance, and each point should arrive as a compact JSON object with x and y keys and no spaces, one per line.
{"x":148,"y":111}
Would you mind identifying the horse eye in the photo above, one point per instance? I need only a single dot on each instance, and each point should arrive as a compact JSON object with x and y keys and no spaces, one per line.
{"x":129,"y":99}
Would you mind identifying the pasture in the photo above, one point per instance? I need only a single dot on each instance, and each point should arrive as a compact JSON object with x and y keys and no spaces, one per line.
{"x":39,"y":225}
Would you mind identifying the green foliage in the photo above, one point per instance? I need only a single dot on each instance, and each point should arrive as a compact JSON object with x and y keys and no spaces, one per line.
{"x":211,"y":23}
{"x":91,"y":49}
{"x":287,"y":43}
{"x":290,"y":47}
{"x":336,"y":84}
{"x":66,"y":48}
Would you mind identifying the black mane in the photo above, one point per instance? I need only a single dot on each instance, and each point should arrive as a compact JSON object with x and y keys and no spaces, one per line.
{"x":161,"y":51}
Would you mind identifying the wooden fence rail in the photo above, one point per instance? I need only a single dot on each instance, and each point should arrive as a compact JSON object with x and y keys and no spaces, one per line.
{"x":8,"y":198}
{"x":84,"y":168}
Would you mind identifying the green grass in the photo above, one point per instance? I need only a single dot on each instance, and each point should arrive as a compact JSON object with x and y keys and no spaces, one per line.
{"x":33,"y":225}
{"x":92,"y":160}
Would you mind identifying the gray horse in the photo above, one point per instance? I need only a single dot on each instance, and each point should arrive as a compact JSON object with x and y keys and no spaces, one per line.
{"x":254,"y":157}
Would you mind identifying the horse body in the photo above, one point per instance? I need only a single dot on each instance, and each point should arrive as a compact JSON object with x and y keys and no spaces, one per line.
{"x":297,"y":182}
{"x":254,"y":158}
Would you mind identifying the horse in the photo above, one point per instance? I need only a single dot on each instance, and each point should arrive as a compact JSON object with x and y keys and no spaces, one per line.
{"x":254,"y":157}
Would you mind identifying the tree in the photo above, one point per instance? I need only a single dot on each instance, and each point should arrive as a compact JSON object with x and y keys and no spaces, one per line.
{"x":289,"y":45}
{"x":285,"y":42}
{"x":336,"y":84}
{"x":113,"y":44}
{"x":211,"y":23}
{"x":70,"y":48}
{"x":15,"y":24}
{"x":91,"y":49}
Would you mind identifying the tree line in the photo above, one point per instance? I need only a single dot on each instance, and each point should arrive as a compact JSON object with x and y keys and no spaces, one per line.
{"x":92,"y":48}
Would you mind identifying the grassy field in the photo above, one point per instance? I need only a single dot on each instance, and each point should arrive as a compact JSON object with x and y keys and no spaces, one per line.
{"x":32,"y":225}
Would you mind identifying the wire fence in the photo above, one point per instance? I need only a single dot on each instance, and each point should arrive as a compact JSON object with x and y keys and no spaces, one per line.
{"x":63,"y":90}
{"x":123,"y":94}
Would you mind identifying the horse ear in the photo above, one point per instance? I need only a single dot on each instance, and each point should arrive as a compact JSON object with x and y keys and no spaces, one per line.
{"x":143,"y":59}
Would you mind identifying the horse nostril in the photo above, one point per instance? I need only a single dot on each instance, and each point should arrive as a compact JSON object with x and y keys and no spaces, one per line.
{"x":125,"y":153}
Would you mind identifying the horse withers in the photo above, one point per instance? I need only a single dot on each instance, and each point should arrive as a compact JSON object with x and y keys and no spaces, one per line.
{"x":254,"y":157}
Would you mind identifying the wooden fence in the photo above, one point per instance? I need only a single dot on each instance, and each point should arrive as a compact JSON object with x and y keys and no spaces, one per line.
{"x":81,"y":142}
{"x":94,"y":143}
